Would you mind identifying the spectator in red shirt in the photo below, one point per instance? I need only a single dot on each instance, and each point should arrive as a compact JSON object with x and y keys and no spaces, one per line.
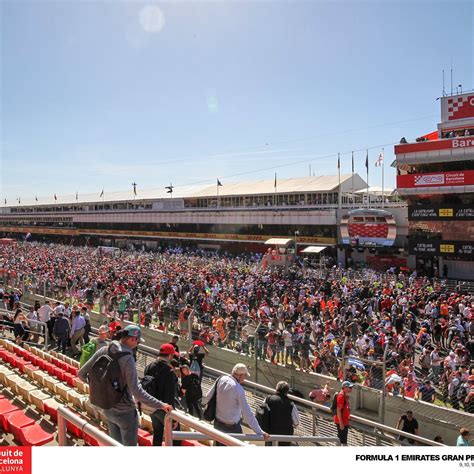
{"x":343,"y":412}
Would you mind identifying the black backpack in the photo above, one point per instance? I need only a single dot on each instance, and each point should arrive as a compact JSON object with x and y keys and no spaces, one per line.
{"x":105,"y":380}
{"x":334,"y":404}
{"x":148,"y":383}
{"x":194,"y":391}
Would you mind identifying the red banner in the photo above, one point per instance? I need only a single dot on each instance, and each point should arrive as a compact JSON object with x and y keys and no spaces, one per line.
{"x":451,"y":178}
{"x":15,"y":459}
{"x":444,"y":144}
{"x":460,"y":107}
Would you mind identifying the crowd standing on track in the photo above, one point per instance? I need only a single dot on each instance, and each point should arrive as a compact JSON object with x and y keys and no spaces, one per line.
{"x":300,"y":319}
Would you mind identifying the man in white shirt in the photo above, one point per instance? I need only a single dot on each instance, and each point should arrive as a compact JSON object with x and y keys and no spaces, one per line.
{"x":288,"y":341}
{"x":44,"y":315}
{"x":231,"y":404}
{"x":59,"y":309}
{"x":435,"y":364}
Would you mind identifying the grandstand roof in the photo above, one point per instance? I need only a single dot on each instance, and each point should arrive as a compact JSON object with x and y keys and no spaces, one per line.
{"x":308,"y":184}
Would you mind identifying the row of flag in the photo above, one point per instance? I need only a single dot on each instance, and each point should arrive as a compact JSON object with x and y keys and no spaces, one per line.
{"x":378,"y":162}
{"x":169,"y":189}
{"x":77,"y":195}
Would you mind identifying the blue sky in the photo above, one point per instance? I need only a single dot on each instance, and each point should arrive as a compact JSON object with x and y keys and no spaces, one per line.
{"x":96,"y":95}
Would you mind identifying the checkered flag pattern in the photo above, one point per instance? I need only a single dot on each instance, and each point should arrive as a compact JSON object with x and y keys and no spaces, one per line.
{"x":461,"y":107}
{"x":376,"y":231}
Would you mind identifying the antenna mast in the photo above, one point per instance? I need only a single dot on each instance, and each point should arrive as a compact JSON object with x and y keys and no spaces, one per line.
{"x":451,"y":75}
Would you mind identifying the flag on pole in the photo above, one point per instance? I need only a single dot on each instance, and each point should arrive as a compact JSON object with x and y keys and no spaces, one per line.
{"x":5,"y":201}
{"x":19,"y":200}
{"x":367,"y":160}
{"x":36,"y":198}
{"x":55,"y":197}
{"x":102,"y":193}
{"x":275,"y":184}
{"x":77,"y":195}
{"x":352,"y":162}
{"x":379,"y":160}
{"x":218,"y":182}
{"x":134,"y":188}
{"x":338,"y":161}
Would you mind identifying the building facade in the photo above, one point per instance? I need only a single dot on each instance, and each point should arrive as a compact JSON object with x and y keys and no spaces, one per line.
{"x":436,"y":177}
{"x":236,"y":217}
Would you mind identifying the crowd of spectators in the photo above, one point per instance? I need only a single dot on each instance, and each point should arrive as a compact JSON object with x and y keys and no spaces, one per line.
{"x":301,"y":318}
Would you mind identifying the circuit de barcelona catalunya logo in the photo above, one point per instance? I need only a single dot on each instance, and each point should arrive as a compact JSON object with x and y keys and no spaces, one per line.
{"x":429,"y":179}
{"x":461,"y":107}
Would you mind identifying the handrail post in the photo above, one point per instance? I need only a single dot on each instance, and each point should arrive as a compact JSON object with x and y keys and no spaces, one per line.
{"x":46,"y":337}
{"x":62,"y":429}
{"x":342,"y":365}
{"x":256,"y":349}
{"x":168,"y":430}
{"x":314,"y":421}
{"x":383,"y":394}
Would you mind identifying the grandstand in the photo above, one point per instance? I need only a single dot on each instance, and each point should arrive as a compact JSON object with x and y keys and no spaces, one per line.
{"x":237,"y":217}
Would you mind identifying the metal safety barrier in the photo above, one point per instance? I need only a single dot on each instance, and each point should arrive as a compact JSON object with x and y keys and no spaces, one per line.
{"x":205,"y":429}
{"x":65,"y":415}
{"x":42,"y":332}
{"x":274,"y":439}
{"x":372,"y":427}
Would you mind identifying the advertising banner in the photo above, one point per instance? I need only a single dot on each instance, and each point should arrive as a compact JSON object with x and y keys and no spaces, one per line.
{"x":443,"y":212}
{"x":463,"y":250}
{"x":450,"y":178}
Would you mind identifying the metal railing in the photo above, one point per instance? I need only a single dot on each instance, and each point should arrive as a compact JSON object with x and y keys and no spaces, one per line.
{"x":376,"y":429}
{"x":43,"y":332}
{"x":274,"y":439}
{"x":65,"y":415}
{"x":208,"y":431}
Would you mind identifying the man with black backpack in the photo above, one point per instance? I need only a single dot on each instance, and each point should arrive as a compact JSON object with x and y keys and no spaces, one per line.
{"x":113,"y":382}
{"x":161,"y":382}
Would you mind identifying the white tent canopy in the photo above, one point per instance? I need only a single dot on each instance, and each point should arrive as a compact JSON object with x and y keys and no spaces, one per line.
{"x":313,"y":249}
{"x":276,"y":241}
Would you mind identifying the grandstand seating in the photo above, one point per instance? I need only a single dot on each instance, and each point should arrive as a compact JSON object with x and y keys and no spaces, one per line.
{"x":45,"y":381}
